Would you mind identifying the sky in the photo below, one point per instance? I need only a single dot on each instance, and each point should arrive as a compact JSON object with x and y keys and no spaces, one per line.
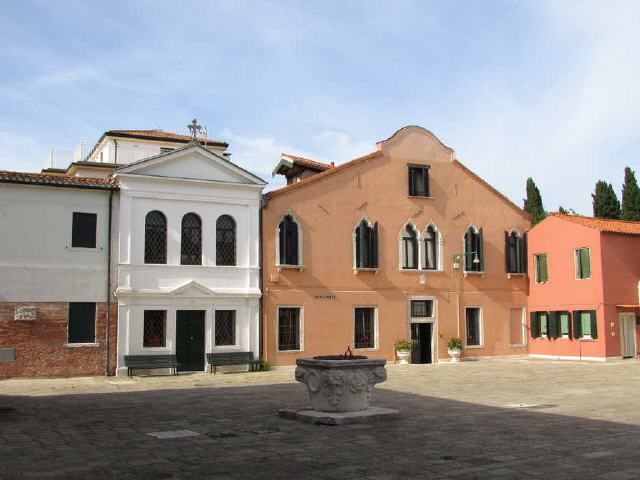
{"x":548,"y":90}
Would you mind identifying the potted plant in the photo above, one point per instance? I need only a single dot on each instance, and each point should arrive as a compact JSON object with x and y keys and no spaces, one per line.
{"x":403,"y":351}
{"x":454,"y":348}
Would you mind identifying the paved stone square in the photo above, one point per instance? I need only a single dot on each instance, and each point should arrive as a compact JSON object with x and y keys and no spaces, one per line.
{"x":518,"y":418}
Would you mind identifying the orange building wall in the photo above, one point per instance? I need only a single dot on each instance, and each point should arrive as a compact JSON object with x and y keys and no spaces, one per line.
{"x":328,"y":208}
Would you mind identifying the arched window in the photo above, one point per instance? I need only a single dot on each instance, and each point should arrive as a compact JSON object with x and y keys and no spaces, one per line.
{"x":409,"y":246}
{"x":473,"y":250}
{"x":155,"y":238}
{"x":225,"y":240}
{"x":366,"y":240}
{"x":515,"y":252}
{"x":431,"y":248}
{"x":288,"y":241}
{"x":191,"y":246}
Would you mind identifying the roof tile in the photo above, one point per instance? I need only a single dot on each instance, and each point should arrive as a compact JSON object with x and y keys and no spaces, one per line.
{"x":602,"y":224}
{"x":56,"y":180}
{"x":161,"y":135}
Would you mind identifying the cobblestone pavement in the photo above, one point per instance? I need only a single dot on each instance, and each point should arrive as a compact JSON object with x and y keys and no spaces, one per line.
{"x":489,"y":419}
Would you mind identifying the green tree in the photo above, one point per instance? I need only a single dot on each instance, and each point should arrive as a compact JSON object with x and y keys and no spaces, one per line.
{"x":630,"y":197}
{"x":533,"y":203}
{"x":605,"y":201}
{"x":565,"y":211}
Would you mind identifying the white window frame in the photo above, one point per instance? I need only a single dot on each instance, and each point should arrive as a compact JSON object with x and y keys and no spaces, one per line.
{"x":422,"y":253}
{"x":357,"y":269}
{"x":535,"y":267}
{"x":523,"y":324}
{"x":300,"y":265}
{"x":376,"y":339}
{"x":300,"y":328}
{"x":236,"y":327}
{"x":480,"y":326}
{"x":433,"y":320}
{"x":401,"y":255}
{"x":575,"y":263}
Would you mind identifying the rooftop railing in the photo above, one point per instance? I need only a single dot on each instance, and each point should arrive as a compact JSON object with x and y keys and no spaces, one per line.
{"x":114,"y":154}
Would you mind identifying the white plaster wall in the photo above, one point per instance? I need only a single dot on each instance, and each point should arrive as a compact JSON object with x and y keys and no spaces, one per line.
{"x":37,"y":262}
{"x":148,"y":148}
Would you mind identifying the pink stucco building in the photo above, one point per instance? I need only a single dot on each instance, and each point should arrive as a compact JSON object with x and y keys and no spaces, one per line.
{"x":583,"y":297}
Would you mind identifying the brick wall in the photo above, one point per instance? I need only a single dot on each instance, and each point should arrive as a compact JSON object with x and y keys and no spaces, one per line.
{"x":39,"y":344}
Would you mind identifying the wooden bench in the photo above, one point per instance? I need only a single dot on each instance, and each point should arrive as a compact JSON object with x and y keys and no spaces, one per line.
{"x":151,"y":361}
{"x":231,"y":358}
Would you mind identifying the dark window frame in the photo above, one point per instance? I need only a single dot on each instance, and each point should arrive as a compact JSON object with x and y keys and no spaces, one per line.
{"x":226,"y":241}
{"x":418,"y":176}
{"x":516,"y":252}
{"x":289,"y":335}
{"x":155,"y":238}
{"x":410,"y":243}
{"x":366,"y":237}
{"x":154,"y":325}
{"x":84,"y":228}
{"x":431,"y":238}
{"x":288,"y":241}
{"x":364,"y":327}
{"x":191,"y":239}
{"x":81,"y":312}
{"x":473,"y":247}
{"x":475,"y":330}
{"x":225,"y":336}
{"x":416,"y":312}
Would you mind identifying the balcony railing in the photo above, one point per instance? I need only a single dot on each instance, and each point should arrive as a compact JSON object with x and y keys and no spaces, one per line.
{"x":114,"y":154}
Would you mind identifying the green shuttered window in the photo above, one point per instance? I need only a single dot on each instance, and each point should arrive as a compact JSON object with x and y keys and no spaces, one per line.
{"x":542,"y":272}
{"x":583,"y":263}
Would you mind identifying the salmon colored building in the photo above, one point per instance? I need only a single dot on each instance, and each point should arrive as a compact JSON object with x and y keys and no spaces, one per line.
{"x":403,"y":243}
{"x":583,"y":296}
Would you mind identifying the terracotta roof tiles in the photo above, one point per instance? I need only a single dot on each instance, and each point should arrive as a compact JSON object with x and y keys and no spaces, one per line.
{"x":309,"y":163}
{"x":160,"y":135}
{"x":56,"y":180}
{"x":602,"y":224}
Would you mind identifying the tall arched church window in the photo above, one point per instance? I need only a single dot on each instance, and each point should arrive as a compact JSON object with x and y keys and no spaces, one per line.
{"x":191,"y":243}
{"x":225,"y":240}
{"x":155,"y":237}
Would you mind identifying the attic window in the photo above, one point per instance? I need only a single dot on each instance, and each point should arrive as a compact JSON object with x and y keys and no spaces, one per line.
{"x":418,"y":180}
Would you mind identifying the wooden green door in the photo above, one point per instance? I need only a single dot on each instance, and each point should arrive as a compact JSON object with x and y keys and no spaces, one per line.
{"x":190,"y":340}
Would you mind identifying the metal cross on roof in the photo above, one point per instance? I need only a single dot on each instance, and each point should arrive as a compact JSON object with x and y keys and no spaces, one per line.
{"x":195,"y":129}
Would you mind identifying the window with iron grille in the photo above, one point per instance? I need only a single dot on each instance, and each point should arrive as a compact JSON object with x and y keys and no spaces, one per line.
{"x":473,"y":326}
{"x":289,"y":328}
{"x":364,"y":327}
{"x":410,"y":248}
{"x":81,"y":326}
{"x":418,"y":180}
{"x":155,"y":324}
{"x":191,"y":245}
{"x":225,"y":327}
{"x":225,"y":240}
{"x":155,"y":238}
{"x":83,"y":230}
{"x":422,"y":308}
{"x":288,"y":238}
{"x":367,"y":245}
{"x":430,"y":249}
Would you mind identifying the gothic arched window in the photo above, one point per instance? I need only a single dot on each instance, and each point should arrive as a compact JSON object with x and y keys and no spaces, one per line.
{"x":366,"y":240}
{"x":409,"y":245}
{"x":473,"y":250}
{"x":288,"y":241}
{"x":431,"y":248}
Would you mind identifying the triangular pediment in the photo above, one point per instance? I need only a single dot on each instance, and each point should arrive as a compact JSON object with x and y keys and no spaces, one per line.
{"x":192,"y":289}
{"x":191,"y":162}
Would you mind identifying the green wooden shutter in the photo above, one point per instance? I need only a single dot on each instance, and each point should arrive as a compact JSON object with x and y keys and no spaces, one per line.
{"x":523,"y":254}
{"x":507,"y":253}
{"x":585,"y":263}
{"x":543,"y":271}
{"x":360,"y":246}
{"x":552,"y":330}
{"x":481,"y":250}
{"x":468,"y":256}
{"x":426,"y":182}
{"x":577,"y":324}
{"x":374,"y":247}
{"x":570,"y":319}
{"x":535,"y":324}
{"x":594,"y":324}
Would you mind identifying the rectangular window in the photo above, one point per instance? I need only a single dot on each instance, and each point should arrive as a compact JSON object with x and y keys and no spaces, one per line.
{"x":364,"y":327}
{"x":289,"y":328}
{"x":565,"y":324}
{"x":155,"y":324}
{"x":585,"y":324}
{"x":418,"y":181}
{"x":82,"y":322}
{"x":473,"y":320}
{"x":583,"y":263}
{"x":543,"y":318}
{"x":542,"y":272}
{"x":422,"y":308}
{"x":225,"y":327}
{"x":83,"y":231}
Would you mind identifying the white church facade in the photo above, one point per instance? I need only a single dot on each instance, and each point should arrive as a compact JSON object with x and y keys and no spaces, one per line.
{"x":170,"y":243}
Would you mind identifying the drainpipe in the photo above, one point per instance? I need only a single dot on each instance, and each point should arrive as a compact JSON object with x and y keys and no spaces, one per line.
{"x":115,"y":151}
{"x":108,"y":317}
{"x":260,"y":282}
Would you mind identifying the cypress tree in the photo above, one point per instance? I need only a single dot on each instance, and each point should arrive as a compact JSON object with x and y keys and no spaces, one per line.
{"x":533,"y":203}
{"x":605,"y":201}
{"x":630,"y":197}
{"x":563,"y":210}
